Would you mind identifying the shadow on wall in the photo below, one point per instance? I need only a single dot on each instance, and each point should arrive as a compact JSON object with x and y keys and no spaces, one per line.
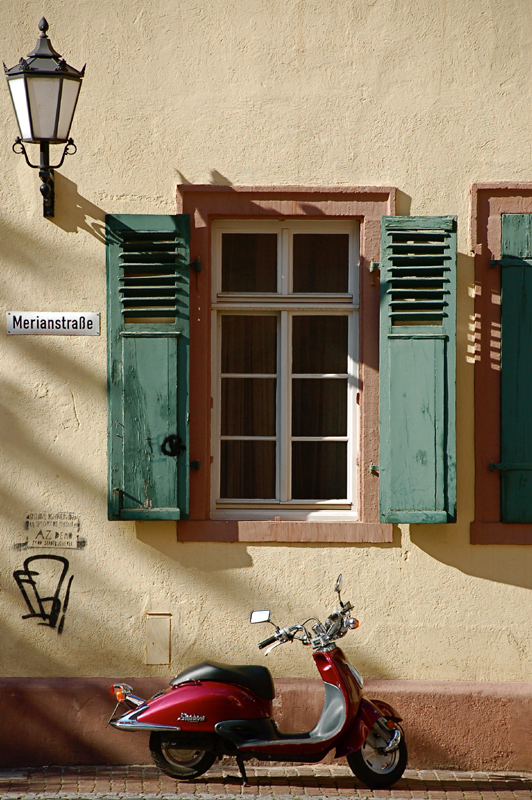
{"x":215,"y":178}
{"x":510,"y":565}
{"x":161,"y":536}
{"x":403,"y":203}
{"x":47,"y":380}
{"x":64,"y":722}
{"x":74,"y":212}
{"x":25,"y":443}
{"x":221,"y":570}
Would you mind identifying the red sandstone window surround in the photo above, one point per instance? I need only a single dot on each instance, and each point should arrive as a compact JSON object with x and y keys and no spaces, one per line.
{"x":205,"y":204}
{"x":488,"y":203}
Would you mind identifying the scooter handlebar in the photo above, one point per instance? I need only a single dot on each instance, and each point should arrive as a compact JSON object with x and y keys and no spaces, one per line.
{"x":266,"y":642}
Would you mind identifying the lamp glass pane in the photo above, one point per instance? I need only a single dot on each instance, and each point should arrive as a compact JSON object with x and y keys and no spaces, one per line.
{"x":68,"y":105}
{"x":20,"y":101}
{"x":43,"y":94}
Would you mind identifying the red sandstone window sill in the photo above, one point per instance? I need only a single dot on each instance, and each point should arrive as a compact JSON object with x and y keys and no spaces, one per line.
{"x":500,"y":533}
{"x":271,"y":531}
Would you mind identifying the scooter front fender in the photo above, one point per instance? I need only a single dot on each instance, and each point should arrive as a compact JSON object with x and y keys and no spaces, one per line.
{"x":368,"y":713}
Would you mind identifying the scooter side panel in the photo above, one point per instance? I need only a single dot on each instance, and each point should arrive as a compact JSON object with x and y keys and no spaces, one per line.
{"x":200,"y":705}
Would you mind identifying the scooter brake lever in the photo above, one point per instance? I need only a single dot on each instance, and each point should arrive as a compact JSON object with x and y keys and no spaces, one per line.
{"x":271,"y":647}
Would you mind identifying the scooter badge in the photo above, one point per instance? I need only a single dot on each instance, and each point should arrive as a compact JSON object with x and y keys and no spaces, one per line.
{"x":184,"y":717}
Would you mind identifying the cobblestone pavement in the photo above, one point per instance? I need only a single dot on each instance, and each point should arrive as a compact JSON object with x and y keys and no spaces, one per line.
{"x":317,"y":781}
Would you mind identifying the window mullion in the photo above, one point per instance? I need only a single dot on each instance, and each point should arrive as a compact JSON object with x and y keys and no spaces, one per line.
{"x":285,"y":260}
{"x":352,"y":408}
{"x":217,"y":406}
{"x":285,"y":405}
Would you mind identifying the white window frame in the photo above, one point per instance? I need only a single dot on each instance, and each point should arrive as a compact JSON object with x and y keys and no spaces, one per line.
{"x":282,"y":304}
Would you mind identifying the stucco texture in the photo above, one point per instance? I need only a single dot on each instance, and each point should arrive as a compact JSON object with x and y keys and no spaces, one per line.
{"x":427,"y":97}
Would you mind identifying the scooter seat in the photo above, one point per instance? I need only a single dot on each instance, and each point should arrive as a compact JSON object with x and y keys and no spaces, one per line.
{"x":256,"y":678}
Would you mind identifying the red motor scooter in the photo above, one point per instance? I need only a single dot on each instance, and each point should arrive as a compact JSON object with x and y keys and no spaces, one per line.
{"x":212,"y":710}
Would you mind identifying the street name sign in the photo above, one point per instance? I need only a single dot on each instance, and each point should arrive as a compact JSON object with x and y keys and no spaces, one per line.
{"x":57,"y":323}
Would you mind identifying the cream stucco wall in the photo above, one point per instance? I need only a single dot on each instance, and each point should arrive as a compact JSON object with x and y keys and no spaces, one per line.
{"x":428,"y":97}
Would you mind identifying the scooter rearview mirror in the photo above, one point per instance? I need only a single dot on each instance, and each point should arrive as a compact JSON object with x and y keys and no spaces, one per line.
{"x":338,"y":587}
{"x":260,"y":616}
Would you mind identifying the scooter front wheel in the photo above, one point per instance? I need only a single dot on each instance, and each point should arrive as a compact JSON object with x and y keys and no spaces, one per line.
{"x":177,"y":760}
{"x":373,"y":766}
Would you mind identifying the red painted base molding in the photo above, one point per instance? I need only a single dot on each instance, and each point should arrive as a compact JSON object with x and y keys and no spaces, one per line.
{"x":463,"y":725}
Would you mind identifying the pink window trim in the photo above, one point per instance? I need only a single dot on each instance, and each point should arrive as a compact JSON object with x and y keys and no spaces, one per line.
{"x":488,"y":202}
{"x":204,"y":203}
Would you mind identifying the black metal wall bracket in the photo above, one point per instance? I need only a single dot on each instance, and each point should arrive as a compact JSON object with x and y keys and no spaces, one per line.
{"x":46,"y":170}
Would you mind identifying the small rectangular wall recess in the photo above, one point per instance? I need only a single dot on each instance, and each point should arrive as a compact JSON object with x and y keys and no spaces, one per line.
{"x":158,"y":639}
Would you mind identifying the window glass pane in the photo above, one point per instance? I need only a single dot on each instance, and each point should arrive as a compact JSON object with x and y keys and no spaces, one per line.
{"x":249,"y":262}
{"x":319,"y":407}
{"x":247,"y":470}
{"x":248,"y":406}
{"x":321,"y":262}
{"x":249,"y":344}
{"x":319,"y":470}
{"x":319,"y":344}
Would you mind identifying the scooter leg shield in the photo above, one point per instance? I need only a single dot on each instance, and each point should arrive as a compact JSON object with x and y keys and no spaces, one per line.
{"x":368,"y":713}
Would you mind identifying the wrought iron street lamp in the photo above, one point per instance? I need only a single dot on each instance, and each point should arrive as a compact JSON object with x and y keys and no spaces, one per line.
{"x":44,"y":90}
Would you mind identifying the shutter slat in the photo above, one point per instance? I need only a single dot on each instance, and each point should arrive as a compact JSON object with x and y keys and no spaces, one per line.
{"x":419,"y":261}
{"x":156,"y":288}
{"x":428,"y":259}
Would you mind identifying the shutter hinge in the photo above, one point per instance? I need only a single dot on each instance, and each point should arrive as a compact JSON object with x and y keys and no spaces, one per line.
{"x":196,"y":265}
{"x":510,"y":261}
{"x":194,"y":465}
{"x":504,"y":467}
{"x":374,"y":469}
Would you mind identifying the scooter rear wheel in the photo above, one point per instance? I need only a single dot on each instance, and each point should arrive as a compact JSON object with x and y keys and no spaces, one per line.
{"x":375,"y":768}
{"x":177,"y":760}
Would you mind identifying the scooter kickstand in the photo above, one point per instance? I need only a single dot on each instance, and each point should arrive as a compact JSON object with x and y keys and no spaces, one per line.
{"x":240,"y":762}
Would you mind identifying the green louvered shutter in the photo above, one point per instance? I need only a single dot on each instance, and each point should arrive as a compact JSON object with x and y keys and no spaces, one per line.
{"x":516,"y":368}
{"x":148,"y":350}
{"x":417,"y":451}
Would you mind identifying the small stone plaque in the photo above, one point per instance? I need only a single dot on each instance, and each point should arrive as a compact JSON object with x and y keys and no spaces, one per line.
{"x":52,"y":530}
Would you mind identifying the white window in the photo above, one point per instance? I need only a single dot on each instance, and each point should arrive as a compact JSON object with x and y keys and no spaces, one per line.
{"x":285,"y":339}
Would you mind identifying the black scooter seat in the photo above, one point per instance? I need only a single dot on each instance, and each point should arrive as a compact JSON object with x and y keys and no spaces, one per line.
{"x":256,"y":678}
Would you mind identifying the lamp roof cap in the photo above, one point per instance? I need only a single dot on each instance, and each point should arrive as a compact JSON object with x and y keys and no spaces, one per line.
{"x":44,"y":58}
